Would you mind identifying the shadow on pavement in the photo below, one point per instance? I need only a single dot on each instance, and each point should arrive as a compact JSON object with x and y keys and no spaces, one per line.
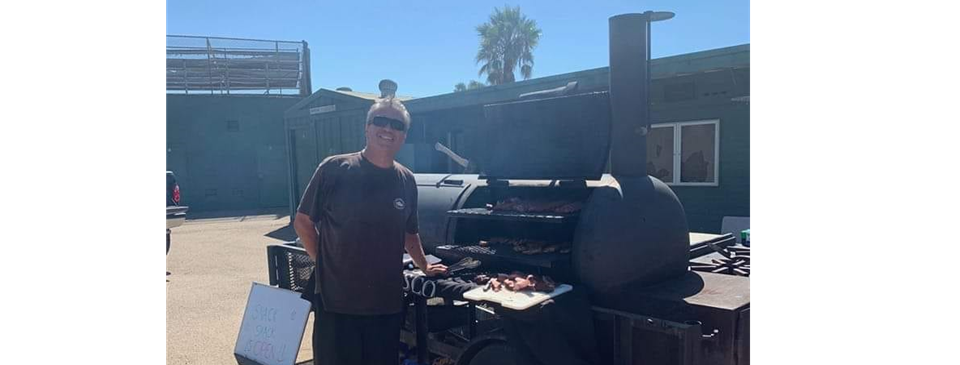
{"x":276,"y":212}
{"x":286,"y":233}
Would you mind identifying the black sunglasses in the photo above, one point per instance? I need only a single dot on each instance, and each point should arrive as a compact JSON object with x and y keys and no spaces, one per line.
{"x":393,"y":123}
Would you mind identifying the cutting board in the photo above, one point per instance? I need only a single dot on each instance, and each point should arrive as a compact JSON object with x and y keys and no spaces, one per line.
{"x":431,"y":259}
{"x":515,"y":300}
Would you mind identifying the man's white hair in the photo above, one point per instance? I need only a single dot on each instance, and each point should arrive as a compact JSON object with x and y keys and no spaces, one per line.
{"x":389,"y":107}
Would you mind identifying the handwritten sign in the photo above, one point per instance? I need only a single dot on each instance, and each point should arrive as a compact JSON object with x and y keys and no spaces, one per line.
{"x":272,"y":326}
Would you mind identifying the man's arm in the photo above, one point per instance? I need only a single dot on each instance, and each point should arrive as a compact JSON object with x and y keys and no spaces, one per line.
{"x":308,"y":234}
{"x":415,"y":249}
{"x":308,"y":212}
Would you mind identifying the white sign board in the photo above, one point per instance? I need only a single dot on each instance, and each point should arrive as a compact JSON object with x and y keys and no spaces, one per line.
{"x":272,"y":326}
{"x":323,"y":109}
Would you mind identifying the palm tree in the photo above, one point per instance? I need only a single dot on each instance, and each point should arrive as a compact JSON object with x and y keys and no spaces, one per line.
{"x":474,"y":84}
{"x":507,"y":42}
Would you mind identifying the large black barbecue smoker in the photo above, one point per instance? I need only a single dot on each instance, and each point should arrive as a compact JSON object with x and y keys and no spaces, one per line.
{"x":620,"y":240}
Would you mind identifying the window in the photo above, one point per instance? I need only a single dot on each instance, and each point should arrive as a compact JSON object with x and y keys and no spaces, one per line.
{"x":690,"y":148}
{"x":660,"y":152}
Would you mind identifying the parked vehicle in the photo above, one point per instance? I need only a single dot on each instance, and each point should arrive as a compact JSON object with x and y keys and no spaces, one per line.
{"x":176,"y":213}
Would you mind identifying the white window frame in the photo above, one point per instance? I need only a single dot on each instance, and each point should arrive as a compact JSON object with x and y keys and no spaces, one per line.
{"x":678,"y":148}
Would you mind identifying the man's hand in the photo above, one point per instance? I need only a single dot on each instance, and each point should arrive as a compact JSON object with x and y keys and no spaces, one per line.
{"x":435,"y":269}
{"x":415,"y":249}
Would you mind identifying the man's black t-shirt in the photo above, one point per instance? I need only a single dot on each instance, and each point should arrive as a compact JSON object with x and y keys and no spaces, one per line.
{"x":363,"y":213}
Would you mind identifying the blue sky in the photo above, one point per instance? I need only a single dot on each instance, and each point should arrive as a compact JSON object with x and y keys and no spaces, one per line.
{"x":427,"y":46}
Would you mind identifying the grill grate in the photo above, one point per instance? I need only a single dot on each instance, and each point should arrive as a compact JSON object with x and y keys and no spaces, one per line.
{"x":506,"y":255}
{"x":484,"y":213}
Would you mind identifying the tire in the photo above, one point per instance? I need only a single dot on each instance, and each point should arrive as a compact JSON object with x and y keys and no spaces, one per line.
{"x":168,"y":241}
{"x":498,"y":353}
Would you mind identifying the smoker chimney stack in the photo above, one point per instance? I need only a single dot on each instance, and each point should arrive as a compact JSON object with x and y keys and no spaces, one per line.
{"x":630,"y":91}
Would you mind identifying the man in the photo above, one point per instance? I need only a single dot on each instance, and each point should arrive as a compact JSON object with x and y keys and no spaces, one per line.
{"x":366,"y":206}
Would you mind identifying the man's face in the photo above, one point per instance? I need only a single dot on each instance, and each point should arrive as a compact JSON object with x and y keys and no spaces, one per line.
{"x":386,"y":134}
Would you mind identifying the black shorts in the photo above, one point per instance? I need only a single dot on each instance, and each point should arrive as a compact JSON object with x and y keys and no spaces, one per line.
{"x":344,"y":339}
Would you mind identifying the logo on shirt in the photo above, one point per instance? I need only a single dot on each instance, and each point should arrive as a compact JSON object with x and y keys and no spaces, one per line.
{"x":399,"y":204}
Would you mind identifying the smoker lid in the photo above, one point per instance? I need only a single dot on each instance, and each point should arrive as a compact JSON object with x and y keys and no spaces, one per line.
{"x":561,"y":138}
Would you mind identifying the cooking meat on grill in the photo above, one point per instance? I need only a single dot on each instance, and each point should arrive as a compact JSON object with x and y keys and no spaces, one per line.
{"x":517,"y":281}
{"x":569,"y":208}
{"x":534,"y":206}
{"x":533,"y":250}
{"x":515,"y":204}
{"x":527,"y":246}
{"x":507,"y":204}
{"x":481,"y":279}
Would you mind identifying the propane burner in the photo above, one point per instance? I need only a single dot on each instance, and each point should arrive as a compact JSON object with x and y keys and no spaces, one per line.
{"x":731,"y":260}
